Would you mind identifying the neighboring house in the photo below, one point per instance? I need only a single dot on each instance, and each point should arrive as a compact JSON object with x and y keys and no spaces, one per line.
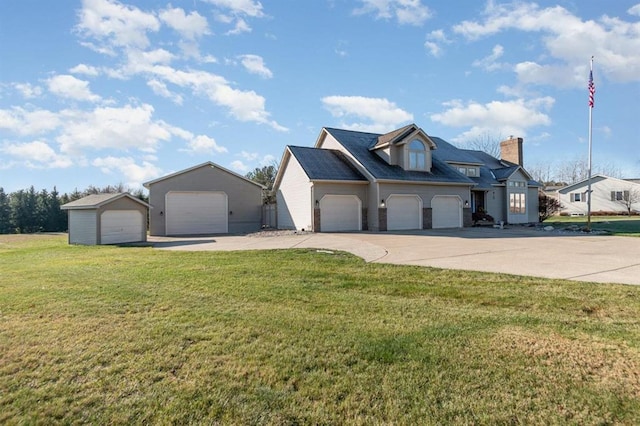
{"x":402,"y":180}
{"x":609,"y":195}
{"x":202,"y":200}
{"x":107,"y":219}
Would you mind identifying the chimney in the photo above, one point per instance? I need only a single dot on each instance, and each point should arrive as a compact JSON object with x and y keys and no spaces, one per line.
{"x":511,"y":150}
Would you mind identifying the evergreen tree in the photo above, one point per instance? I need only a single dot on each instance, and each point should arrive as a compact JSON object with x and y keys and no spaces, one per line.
{"x":5,"y":213}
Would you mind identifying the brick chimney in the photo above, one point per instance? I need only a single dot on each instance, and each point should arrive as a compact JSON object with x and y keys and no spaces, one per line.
{"x":511,"y":150}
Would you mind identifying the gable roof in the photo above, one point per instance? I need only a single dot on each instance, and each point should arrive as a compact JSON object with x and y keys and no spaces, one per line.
{"x":597,"y":178}
{"x":95,"y":201}
{"x":402,"y":134}
{"x":358,"y":144}
{"x":325,"y":164}
{"x":207,"y":164}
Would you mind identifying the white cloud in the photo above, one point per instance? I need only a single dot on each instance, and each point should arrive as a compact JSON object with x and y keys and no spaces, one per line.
{"x":160,"y":89}
{"x":255,"y":65}
{"x":235,"y":9}
{"x":380,"y":115}
{"x":568,"y":38}
{"x":634,"y":10}
{"x":67,"y":86}
{"x":135,"y":174}
{"x":496,"y":117}
{"x":434,"y":40}
{"x":240,"y":27}
{"x":240,"y":7}
{"x":122,"y":128}
{"x":28,"y":90}
{"x":411,"y":12}
{"x":489,"y":63}
{"x":239,"y":166}
{"x":37,"y":155}
{"x":116,"y":24}
{"x":190,"y":26}
{"x":203,"y":144}
{"x":85,"y":69}
{"x":28,"y":122}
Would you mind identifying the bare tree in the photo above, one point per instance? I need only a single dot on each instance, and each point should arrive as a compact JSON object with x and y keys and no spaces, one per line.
{"x":486,"y":142}
{"x":627,"y":198}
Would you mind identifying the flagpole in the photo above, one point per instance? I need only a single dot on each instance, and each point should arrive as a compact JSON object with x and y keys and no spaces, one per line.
{"x":591,"y":102}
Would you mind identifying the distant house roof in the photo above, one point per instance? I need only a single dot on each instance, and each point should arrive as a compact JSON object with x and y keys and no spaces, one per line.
{"x":597,"y":178}
{"x":325,"y":164}
{"x":359,"y":144}
{"x":95,"y":201}
{"x":207,"y":164}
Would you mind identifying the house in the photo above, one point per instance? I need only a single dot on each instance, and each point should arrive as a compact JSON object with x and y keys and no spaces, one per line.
{"x":609,"y":195}
{"x":107,"y":219}
{"x":204,"y":199}
{"x":401,"y":180}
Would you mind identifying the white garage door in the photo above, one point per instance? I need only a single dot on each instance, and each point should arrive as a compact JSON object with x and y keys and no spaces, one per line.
{"x":121,"y":226}
{"x":340,"y":213}
{"x":447,"y":211}
{"x":197,"y":212}
{"x":404,"y":212}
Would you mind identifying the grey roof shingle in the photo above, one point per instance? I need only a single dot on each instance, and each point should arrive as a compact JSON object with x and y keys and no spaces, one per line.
{"x":96,"y":200}
{"x":325,"y":164}
{"x":359,"y":143}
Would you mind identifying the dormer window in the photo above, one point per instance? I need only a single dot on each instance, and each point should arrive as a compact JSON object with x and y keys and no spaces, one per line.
{"x":417,"y":155}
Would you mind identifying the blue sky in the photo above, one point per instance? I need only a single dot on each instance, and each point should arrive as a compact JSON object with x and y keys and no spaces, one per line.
{"x":100,"y":92}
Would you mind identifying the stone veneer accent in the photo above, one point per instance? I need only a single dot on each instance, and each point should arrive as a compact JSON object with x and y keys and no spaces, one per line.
{"x":467,"y":219}
{"x":365,"y":219}
{"x":382,"y":218}
{"x":427,"y":218}
{"x":316,"y":220}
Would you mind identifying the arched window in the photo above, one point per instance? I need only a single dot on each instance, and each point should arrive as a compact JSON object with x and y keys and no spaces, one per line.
{"x":417,"y":155}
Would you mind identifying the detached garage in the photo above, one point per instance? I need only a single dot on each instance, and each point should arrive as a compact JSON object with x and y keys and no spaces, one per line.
{"x":203,"y":200}
{"x":107,"y":219}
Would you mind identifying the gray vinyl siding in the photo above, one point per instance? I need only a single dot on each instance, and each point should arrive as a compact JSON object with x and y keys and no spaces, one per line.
{"x":294,"y":198}
{"x":244,"y":197}
{"x":496,"y":204}
{"x":83,"y":227}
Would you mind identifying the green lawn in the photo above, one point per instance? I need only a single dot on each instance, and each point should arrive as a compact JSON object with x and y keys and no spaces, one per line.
{"x":615,"y":225}
{"x":117,"y":335}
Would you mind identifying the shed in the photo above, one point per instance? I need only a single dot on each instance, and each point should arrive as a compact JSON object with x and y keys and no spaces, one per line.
{"x":107,"y":219}
{"x":203,"y":200}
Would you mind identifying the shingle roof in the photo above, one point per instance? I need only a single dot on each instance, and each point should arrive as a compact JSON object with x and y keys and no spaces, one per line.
{"x":325,"y":164}
{"x":388,"y":137}
{"x":94,"y":201}
{"x":359,"y":143}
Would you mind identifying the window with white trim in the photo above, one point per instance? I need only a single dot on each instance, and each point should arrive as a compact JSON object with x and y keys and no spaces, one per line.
{"x":576,"y":197}
{"x":517,"y":203}
{"x":417,"y":156}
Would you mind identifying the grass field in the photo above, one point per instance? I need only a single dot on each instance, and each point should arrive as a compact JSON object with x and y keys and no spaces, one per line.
{"x":123,"y":335}
{"x":615,"y":225}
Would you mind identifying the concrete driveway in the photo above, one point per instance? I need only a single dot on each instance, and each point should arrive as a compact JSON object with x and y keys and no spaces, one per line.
{"x":518,"y":250}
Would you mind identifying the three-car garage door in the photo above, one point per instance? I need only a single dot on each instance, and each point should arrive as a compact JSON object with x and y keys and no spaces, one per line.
{"x":447,"y":211}
{"x":122,"y":226}
{"x":404,"y":212}
{"x":340,"y":213}
{"x":196,"y":212}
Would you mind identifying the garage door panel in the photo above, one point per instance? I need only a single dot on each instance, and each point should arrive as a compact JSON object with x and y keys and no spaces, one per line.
{"x":121,"y":226}
{"x":192,"y":213}
{"x":340,"y":213}
{"x":404,"y":212}
{"x":446,"y":212}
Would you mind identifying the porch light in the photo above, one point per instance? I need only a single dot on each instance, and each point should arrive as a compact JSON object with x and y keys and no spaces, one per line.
{"x":317,"y":204}
{"x":382,"y":204}
{"x":466,"y":203}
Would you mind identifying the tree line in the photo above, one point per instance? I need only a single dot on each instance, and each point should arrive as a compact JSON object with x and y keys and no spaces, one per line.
{"x":27,"y":211}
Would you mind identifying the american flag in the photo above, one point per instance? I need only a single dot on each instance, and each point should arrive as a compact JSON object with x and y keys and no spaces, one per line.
{"x":592,"y":89}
